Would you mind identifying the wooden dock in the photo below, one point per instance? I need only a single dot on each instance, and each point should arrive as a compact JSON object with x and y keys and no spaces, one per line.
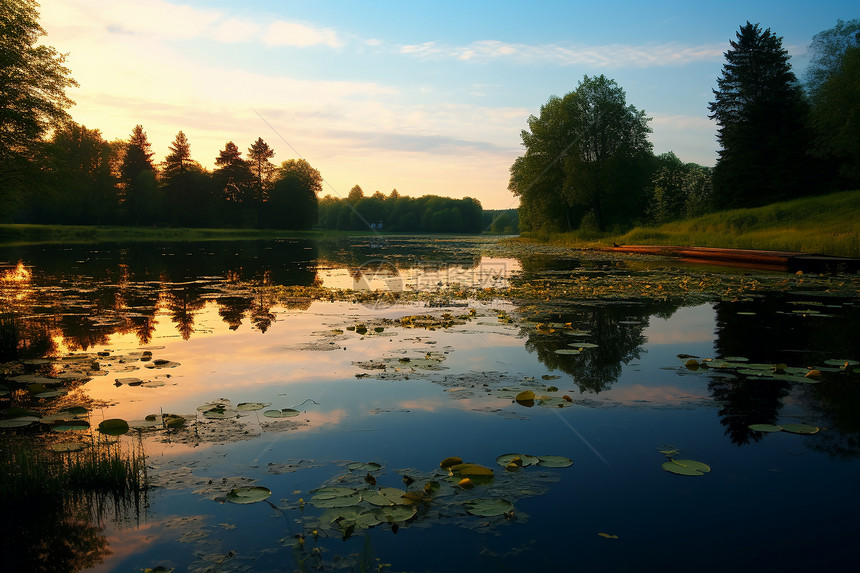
{"x":748,"y":258}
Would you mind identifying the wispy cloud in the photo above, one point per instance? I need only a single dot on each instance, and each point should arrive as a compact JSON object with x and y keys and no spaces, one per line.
{"x":610,"y":55}
{"x":158,"y":19}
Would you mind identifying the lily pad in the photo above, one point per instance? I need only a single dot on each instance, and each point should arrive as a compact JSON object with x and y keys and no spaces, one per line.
{"x":568,"y":351}
{"x":800,"y":428}
{"x":524,"y":460}
{"x":384,"y":496}
{"x":283,"y":413}
{"x":336,"y":497}
{"x":18,"y":422}
{"x":471,"y":470}
{"x":486,"y":507}
{"x":395,"y":513}
{"x":251,"y":406}
{"x":765,"y":427}
{"x":114,"y":427}
{"x":248,"y":494}
{"x":526,"y":398}
{"x":364,"y":466}
{"x":450,"y":461}
{"x":71,"y":426}
{"x":555,"y":461}
{"x":686,"y":467}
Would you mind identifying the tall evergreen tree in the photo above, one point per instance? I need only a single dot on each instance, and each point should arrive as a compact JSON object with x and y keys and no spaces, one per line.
{"x":185,"y":185}
{"x":233,"y":184}
{"x":259,"y":155}
{"x":761,"y":114}
{"x":141,"y":199}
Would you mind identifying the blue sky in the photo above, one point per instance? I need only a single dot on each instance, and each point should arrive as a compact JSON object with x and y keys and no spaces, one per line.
{"x":425,"y":97}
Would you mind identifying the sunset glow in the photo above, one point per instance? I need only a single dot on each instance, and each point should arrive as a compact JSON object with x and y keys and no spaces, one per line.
{"x":425,"y":99}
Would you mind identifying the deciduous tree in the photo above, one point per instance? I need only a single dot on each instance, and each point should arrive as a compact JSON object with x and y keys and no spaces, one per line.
{"x":587,"y":153}
{"x":33,"y":83}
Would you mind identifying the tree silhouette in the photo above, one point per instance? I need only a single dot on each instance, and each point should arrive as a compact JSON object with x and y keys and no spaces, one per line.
{"x":33,"y":82}
{"x":761,"y":115}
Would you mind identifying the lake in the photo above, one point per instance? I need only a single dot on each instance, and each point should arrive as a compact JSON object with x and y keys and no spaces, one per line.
{"x":609,"y":412}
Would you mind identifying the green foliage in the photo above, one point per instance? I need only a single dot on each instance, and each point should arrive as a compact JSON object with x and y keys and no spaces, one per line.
{"x":827,"y":51}
{"x":836,"y":116}
{"x":679,"y":190}
{"x":587,"y":153}
{"x":293,"y":200}
{"x":761,"y":113}
{"x":427,"y":214}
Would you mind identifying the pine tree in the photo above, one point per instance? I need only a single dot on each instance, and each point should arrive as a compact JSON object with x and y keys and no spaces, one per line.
{"x":137,"y":177}
{"x":761,"y":113}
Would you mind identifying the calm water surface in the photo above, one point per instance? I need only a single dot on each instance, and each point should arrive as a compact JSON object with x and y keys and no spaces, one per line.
{"x":407,"y":384}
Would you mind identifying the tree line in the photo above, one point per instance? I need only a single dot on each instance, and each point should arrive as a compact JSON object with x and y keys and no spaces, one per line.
{"x":53,"y":170}
{"x":588,"y":163}
{"x":395,"y":212}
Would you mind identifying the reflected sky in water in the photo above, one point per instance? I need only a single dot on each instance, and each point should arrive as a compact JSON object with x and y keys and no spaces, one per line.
{"x":372,"y":384}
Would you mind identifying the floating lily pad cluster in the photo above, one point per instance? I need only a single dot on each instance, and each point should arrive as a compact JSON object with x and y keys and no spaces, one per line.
{"x":741,"y":366}
{"x":44,"y":379}
{"x":456,"y":489}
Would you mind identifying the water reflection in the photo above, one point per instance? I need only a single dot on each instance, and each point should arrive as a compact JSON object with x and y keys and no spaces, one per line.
{"x":610,"y":336}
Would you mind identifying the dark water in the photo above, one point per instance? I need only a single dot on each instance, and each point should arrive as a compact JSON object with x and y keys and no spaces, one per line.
{"x":244,"y":322}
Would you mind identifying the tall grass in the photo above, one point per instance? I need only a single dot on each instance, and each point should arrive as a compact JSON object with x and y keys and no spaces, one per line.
{"x":30,"y":472}
{"x":828,"y":224}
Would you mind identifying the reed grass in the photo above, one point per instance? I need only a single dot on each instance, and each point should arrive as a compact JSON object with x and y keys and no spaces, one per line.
{"x":30,"y":471}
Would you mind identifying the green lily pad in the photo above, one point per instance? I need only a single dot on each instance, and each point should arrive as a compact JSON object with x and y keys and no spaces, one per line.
{"x":765,"y":427}
{"x":251,"y":406}
{"x":800,"y":428}
{"x":248,"y":494}
{"x":336,"y":497}
{"x":568,"y":351}
{"x":356,"y":517}
{"x":283,"y":413}
{"x":524,"y":460}
{"x":114,"y":427}
{"x":18,"y":422}
{"x":486,"y":507}
{"x":364,"y":466}
{"x":555,"y":461}
{"x":16,"y":412}
{"x":384,"y":496}
{"x":395,"y":513}
{"x":71,"y":426}
{"x":686,"y":467}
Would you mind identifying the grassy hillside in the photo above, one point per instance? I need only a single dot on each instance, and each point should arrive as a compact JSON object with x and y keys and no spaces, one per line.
{"x":827,"y":224}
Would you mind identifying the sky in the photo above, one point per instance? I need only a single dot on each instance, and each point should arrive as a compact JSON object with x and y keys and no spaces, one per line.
{"x":422,"y":97}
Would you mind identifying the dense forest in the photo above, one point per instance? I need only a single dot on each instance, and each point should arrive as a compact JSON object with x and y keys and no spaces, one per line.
{"x":588,"y":163}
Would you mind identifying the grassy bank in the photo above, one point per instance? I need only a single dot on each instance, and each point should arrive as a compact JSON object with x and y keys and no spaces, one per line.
{"x":828,"y":224}
{"x":20,"y":234}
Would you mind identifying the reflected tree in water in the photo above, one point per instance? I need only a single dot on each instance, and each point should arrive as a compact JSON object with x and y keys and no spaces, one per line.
{"x":744,"y":402}
{"x":618,"y":342}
